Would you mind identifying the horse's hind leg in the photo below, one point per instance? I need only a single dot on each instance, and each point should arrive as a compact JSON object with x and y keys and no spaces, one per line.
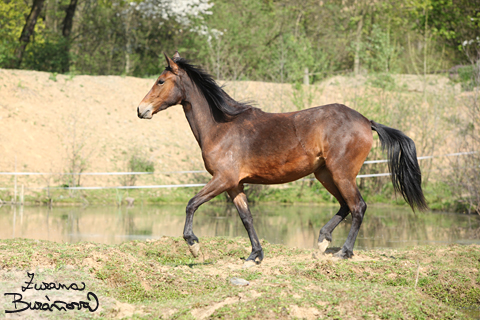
{"x":325,"y":238}
{"x":357,"y":205}
{"x":240,"y":200}
{"x":343,"y":161}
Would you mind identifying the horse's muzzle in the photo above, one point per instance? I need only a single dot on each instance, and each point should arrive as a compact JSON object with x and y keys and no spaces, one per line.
{"x":144,"y":111}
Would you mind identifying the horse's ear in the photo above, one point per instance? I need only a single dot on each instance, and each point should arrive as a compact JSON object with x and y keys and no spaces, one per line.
{"x":176,"y":55}
{"x":169,"y":61}
{"x":171,"y":64}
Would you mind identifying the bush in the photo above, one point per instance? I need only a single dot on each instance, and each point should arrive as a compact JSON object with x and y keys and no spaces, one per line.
{"x":7,"y":59}
{"x":467,"y":76}
{"x":51,"y":56}
{"x":138,"y":163}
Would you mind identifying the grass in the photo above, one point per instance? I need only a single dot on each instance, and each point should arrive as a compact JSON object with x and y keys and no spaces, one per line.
{"x":160,"y":278}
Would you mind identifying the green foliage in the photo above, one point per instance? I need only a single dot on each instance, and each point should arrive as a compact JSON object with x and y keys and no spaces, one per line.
{"x":53,"y":76}
{"x":12,"y":18}
{"x":381,"y":52}
{"x":383,"y":81}
{"x":468,"y":76}
{"x":51,"y":55}
{"x":302,"y":95}
{"x":140,"y":164}
{"x":245,"y":39}
{"x":453,"y":21}
{"x":6,"y":53}
{"x":237,"y":44}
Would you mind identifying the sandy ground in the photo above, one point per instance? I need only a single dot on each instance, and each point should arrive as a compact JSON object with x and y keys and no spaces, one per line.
{"x":44,"y":116}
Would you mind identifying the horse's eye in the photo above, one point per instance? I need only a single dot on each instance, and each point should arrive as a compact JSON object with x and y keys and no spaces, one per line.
{"x":160,"y":82}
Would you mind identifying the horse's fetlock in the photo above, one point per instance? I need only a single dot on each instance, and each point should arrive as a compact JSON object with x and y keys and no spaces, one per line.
{"x":324,"y":235}
{"x":344,"y":253}
{"x":191,"y":239}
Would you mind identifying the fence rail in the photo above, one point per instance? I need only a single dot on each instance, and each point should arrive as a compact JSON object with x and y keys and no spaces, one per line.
{"x":72,"y":173}
{"x":190,"y":185}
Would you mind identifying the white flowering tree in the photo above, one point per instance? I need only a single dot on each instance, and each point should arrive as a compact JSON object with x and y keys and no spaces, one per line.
{"x":182,"y":12}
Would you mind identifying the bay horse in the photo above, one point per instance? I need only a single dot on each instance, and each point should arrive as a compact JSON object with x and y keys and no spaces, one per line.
{"x":242,"y":144}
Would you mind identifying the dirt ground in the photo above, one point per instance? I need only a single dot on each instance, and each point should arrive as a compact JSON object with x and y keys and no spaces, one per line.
{"x":44,"y":116}
{"x":160,"y":279}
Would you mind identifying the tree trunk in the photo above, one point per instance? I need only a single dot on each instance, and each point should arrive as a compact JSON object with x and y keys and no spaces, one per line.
{"x":68,"y":21}
{"x":128,"y":49}
{"x":356,"y":65}
{"x":67,"y":30}
{"x":28,"y":30}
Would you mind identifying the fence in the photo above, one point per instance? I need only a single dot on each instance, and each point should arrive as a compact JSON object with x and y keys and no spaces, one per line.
{"x":191,"y":185}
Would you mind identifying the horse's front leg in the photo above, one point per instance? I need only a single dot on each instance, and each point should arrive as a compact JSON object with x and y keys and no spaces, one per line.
{"x":240,"y":200}
{"x":213,"y":188}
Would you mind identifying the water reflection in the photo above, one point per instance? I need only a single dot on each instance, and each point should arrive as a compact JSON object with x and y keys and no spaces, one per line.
{"x":298,"y":226}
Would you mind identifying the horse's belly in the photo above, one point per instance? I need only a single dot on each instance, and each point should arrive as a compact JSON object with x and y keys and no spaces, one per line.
{"x":281,"y":170}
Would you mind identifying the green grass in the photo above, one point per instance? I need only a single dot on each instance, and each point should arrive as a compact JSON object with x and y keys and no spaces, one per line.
{"x":161,"y":278}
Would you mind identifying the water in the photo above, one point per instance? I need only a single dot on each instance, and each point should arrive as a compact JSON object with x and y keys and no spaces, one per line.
{"x":292,"y":225}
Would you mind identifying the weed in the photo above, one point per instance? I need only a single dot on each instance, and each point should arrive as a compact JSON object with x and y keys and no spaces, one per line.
{"x":53,"y":76}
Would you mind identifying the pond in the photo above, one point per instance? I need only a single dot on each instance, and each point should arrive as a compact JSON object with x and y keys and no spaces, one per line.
{"x":293,"y":225}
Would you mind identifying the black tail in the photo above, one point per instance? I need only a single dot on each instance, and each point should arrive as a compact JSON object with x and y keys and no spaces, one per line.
{"x":403,"y":164}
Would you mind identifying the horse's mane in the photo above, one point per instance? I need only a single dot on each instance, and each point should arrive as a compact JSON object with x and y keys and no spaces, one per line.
{"x":223,"y":107}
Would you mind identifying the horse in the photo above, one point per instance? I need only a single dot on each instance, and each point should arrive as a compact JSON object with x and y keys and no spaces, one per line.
{"x":243,"y":144}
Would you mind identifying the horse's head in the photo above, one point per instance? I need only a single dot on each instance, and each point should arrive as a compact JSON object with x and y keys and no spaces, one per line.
{"x":165,"y":93}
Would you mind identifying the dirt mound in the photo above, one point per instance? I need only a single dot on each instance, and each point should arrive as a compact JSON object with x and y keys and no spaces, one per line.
{"x":43,"y":117}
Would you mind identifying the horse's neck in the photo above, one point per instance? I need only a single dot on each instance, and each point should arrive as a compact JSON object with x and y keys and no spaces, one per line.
{"x":200,"y":119}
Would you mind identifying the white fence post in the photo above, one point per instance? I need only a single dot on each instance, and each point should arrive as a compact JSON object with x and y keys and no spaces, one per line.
{"x":15,"y":183}
{"x":306,"y":79}
{"x":22,"y":195}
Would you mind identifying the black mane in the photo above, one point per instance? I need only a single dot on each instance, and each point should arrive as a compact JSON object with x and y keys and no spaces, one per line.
{"x":223,"y":107}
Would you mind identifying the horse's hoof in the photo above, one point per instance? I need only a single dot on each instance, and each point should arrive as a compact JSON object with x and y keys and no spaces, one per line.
{"x":248,"y":264}
{"x":343,"y":254}
{"x":256,"y":256}
{"x":322,"y":246}
{"x":194,"y":249}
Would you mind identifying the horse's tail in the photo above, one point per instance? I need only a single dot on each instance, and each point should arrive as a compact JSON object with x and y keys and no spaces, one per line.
{"x":403,"y":164}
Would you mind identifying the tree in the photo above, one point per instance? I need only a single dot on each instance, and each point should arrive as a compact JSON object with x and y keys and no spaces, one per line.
{"x":455,"y":21}
{"x":67,"y":30}
{"x":28,"y":29}
{"x":68,"y":21}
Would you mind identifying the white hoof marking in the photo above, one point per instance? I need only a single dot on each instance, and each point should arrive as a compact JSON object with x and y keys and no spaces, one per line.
{"x":195,"y":249}
{"x":322,"y":246}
